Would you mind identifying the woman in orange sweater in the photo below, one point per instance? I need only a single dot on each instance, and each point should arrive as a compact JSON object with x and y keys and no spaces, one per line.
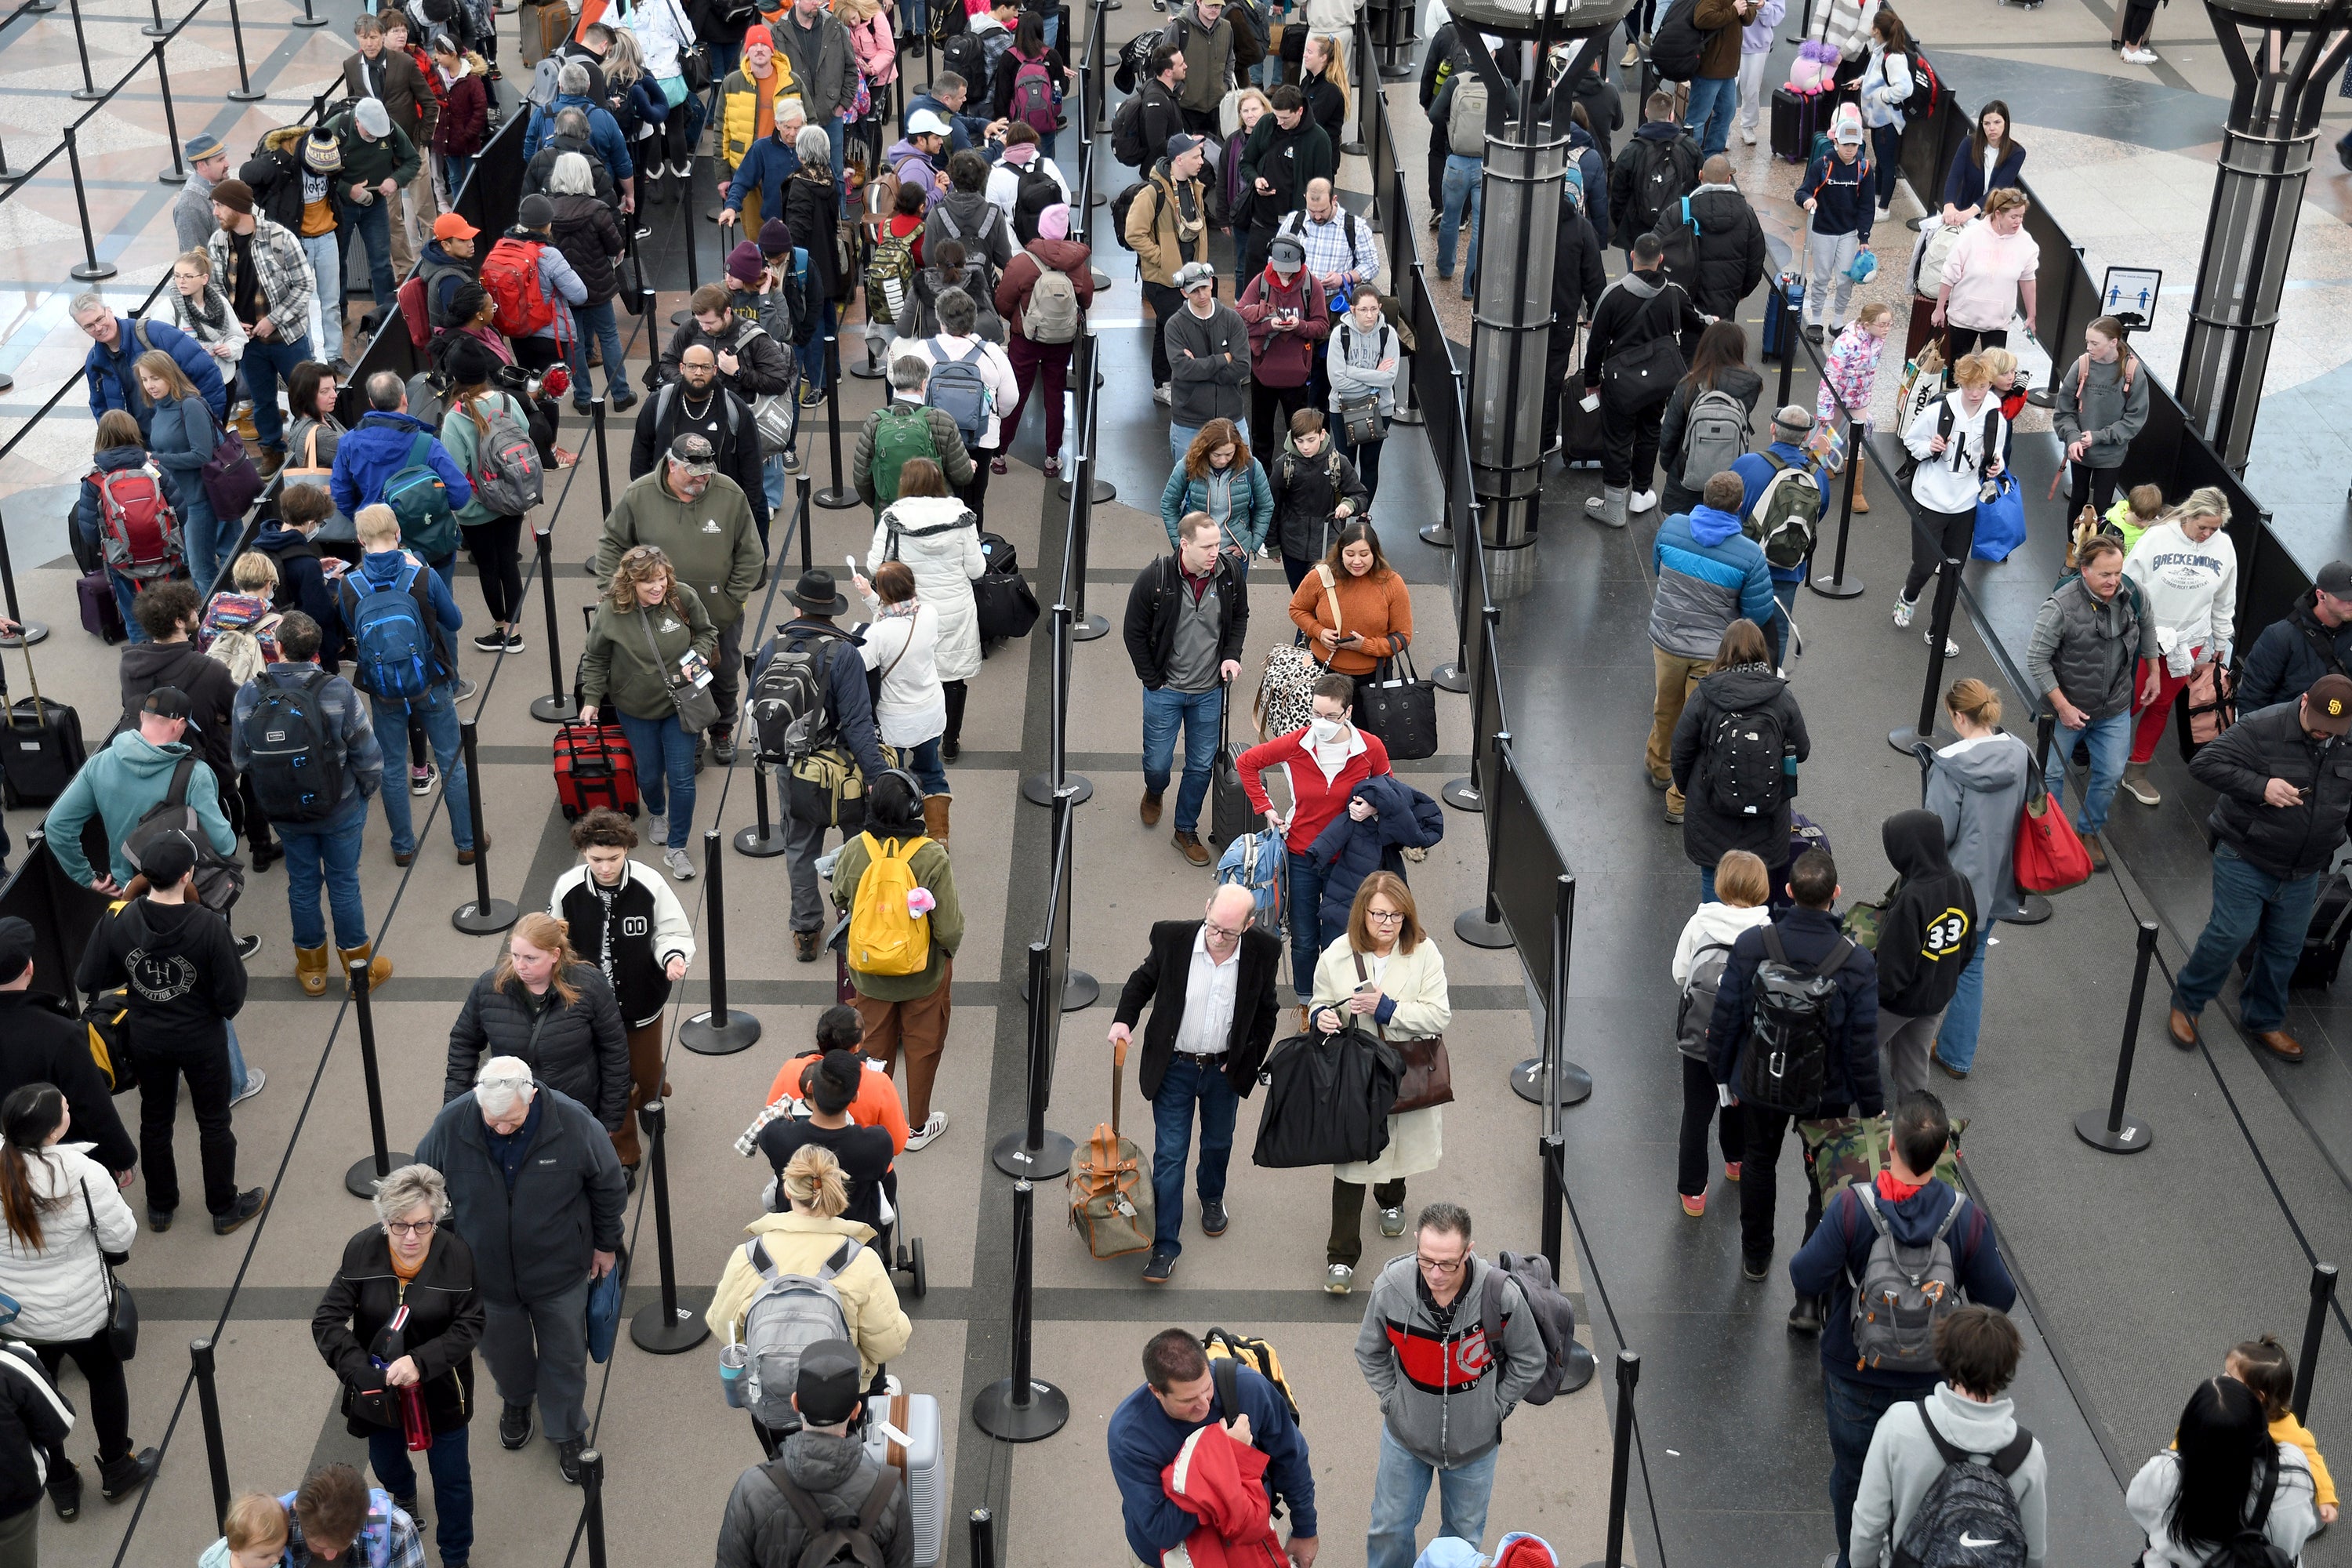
{"x":1354,"y":608}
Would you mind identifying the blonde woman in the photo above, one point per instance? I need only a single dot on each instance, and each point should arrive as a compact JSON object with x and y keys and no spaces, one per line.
{"x":200,"y":309}
{"x":1958,"y":441}
{"x":1989,"y":270}
{"x":649,"y":630}
{"x":2187,"y":573}
{"x":808,"y":1239}
{"x":181,"y":441}
{"x":1384,"y":976}
{"x":542,"y":1003}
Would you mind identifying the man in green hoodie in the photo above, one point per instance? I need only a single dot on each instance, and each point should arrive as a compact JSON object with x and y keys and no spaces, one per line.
{"x":126,"y":780}
{"x":702,"y":521}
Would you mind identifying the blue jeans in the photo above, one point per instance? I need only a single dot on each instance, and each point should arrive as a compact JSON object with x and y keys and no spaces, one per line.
{"x":836,"y":129}
{"x":329,"y":852}
{"x":1189,"y":1080}
{"x":1305,"y":895}
{"x":2249,"y":904}
{"x":454,"y":167}
{"x":1956,"y":1036}
{"x":1465,"y":190}
{"x":437,"y":711}
{"x":812,"y":353}
{"x":200,"y":533}
{"x":923,"y":761}
{"x":375,"y":227}
{"x":598,"y":320}
{"x":326,"y":254}
{"x":2110,"y":742}
{"x":453,"y":1484}
{"x":1401,"y":1490}
{"x":263,"y":364}
{"x":1852,"y":1410}
{"x":1197,"y":712}
{"x":667,"y":789}
{"x":1714,"y":101}
{"x":772,"y":480}
{"x":125,"y":594}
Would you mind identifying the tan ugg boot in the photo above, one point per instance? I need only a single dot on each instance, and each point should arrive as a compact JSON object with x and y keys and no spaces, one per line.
{"x":934,"y":815}
{"x":1861,"y":502}
{"x":311,"y":969}
{"x":379,"y":971}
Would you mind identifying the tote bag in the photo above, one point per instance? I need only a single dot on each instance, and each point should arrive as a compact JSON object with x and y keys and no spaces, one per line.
{"x":1400,"y":710}
{"x":2049,"y":856}
{"x":2000,"y":521}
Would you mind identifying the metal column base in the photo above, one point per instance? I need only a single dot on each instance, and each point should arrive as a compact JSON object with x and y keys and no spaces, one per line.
{"x":1103,"y":495}
{"x":34,"y":631}
{"x":656,"y":1333}
{"x":1037,"y":789}
{"x":1472,"y":927}
{"x":1846,"y":587}
{"x":477,"y":920}
{"x":1462,"y":795}
{"x":1080,"y":990}
{"x":1580,"y":1367}
{"x":838,"y":500}
{"x":1044,"y":1412}
{"x":1450,"y":676}
{"x":1086,"y":628}
{"x":1410,"y":418}
{"x":2132,"y":1136}
{"x":1907,"y":740}
{"x":705,"y":1037}
{"x":554,"y":710}
{"x":1528,"y":1082}
{"x":360,"y":1179}
{"x":1439,"y":535}
{"x":2037,"y":910}
{"x":750,"y":841}
{"x":1050,"y":1159}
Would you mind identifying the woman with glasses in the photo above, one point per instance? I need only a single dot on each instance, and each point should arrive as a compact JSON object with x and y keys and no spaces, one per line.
{"x":1386,"y":977}
{"x":398,"y":1324}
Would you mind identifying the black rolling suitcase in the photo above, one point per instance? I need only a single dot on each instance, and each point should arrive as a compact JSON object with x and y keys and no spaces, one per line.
{"x":1230,"y":816}
{"x":40,"y":745}
{"x":1797,"y":117}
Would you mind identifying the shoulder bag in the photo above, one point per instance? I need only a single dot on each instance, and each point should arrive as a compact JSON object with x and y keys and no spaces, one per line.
{"x":1360,"y":416}
{"x":1400,"y":710}
{"x":1428,"y":1077}
{"x":698,"y":709}
{"x":2049,"y":857}
{"x":121,"y":1309}
{"x":231,"y":478}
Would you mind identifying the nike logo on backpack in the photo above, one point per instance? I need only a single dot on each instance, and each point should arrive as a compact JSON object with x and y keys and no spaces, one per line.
{"x":1971,"y":1542}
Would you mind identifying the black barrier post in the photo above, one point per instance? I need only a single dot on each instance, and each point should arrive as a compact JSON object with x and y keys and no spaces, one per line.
{"x":664,"y":1328}
{"x":360,"y":1179}
{"x":766,"y":839}
{"x":1083,"y":627}
{"x":591,"y":1482}
{"x":200,"y":1352}
{"x":1036,"y":1151}
{"x":1838,"y":585}
{"x":89,"y":268}
{"x":1940,"y":632}
{"x":2112,"y":1129}
{"x":32,"y":631}
{"x":718,"y":1032}
{"x":1039,"y":789}
{"x":177,"y":175}
{"x":808,"y":523}
{"x":603,"y":455}
{"x":837,"y":495}
{"x":556,"y":707}
{"x":2033,"y":908}
{"x":1620,"y":1455}
{"x":693,"y":259}
{"x":983,"y":1539}
{"x":88,"y":91}
{"x":649,"y":300}
{"x":1085,"y":373}
{"x":1022,"y":1408}
{"x":1530,"y":1080}
{"x":2323,"y":1292}
{"x":244,"y":93}
{"x":485,"y":916}
{"x":309,"y":18}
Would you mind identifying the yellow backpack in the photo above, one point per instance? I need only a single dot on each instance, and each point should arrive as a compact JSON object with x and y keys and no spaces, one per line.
{"x":885,"y":936}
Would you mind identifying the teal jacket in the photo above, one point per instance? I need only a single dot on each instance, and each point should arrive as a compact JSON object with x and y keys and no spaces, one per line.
{"x":1253,"y":505}
{"x":119,"y":785}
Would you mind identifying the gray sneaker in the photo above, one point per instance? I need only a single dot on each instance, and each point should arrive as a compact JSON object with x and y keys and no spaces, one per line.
{"x":2139,"y":786}
{"x":254,"y":1080}
{"x":680,"y":869}
{"x":658,"y":827}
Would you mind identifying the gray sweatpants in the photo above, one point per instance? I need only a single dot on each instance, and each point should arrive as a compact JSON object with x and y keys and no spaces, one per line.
{"x":539,"y":1350}
{"x":1903,"y":1043}
{"x":803,"y":842}
{"x":1829,"y":290}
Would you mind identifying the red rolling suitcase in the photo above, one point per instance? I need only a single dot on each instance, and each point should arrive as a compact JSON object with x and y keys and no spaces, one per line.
{"x":593,"y":767}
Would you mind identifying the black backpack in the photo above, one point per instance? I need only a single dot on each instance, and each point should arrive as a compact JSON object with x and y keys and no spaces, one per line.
{"x":964,"y":56}
{"x":219,"y":877}
{"x":2251,"y":1547}
{"x":836,"y":1538}
{"x":1663,"y":172}
{"x":1969,"y":1517}
{"x":1031,"y":197}
{"x":298,"y":756}
{"x":1127,"y":133}
{"x":1119,"y":206}
{"x":1675,"y":46}
{"x":790,"y":702}
{"x":1786,"y":1066}
{"x":1743,"y":761}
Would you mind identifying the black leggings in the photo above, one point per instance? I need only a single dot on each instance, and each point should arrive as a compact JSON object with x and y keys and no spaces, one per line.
{"x":110,"y":1396}
{"x":1961,"y":341}
{"x":2093,"y":488}
{"x":957,"y":691}
{"x":1937,"y":536}
{"x":2139,"y":17}
{"x":496,"y":547}
{"x":1700,"y":1104}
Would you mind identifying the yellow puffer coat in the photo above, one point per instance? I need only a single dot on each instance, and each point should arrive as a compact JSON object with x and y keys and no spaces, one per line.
{"x":800,"y":1243}
{"x":742,"y":114}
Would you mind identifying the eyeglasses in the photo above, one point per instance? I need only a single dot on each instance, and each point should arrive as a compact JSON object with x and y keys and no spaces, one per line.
{"x":1435,"y":1266}
{"x":92,"y":325}
{"x":1230,"y":933}
{"x":1384,"y":917}
{"x":407,"y":1228}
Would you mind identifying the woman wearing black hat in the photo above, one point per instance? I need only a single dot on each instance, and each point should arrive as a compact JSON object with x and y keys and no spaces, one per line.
{"x":649,"y":632}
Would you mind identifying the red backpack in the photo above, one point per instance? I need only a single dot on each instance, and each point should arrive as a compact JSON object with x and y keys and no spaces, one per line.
{"x":136,"y":526}
{"x":510,"y":276}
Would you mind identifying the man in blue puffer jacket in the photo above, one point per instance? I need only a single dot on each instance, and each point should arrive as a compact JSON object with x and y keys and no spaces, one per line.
{"x":378,"y":448}
{"x":1385,"y":818}
{"x":1710,"y":575}
{"x":116,"y":342}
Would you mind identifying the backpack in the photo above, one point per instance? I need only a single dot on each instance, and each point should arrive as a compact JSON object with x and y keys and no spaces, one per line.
{"x":1679,"y":235}
{"x":788,"y":1313}
{"x":1051,"y":314}
{"x":1927,"y":86}
{"x":429,"y":525}
{"x":837,"y":1538}
{"x":508,"y":478}
{"x":1742,"y":764}
{"x":1033,"y":97}
{"x":1662,"y":172}
{"x":1228,"y":1352}
{"x":1127,"y":132}
{"x":1466,"y":123}
{"x":545,"y":83}
{"x":1786,"y":1065}
{"x":890,"y":276}
{"x":964,"y":56}
{"x":1675,"y":46}
{"x":2251,"y":1547}
{"x":1119,"y":206}
{"x":1698,"y":1004}
{"x":1031,"y":194}
{"x":788,"y":702}
{"x":298,"y":756}
{"x":510,"y":276}
{"x":1715,"y":435}
{"x":1967,"y":1517}
{"x":901,"y":431}
{"x":219,"y":877}
{"x":391,"y":627}
{"x":1903,"y":1292}
{"x":958,"y":390}
{"x":1554,"y":1313}
{"x":887,"y":936}
{"x":1786,"y":517}
{"x":240,"y":631}
{"x":137,"y":527}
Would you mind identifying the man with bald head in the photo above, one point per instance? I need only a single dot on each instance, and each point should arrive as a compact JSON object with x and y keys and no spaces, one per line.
{"x":1211,"y":983}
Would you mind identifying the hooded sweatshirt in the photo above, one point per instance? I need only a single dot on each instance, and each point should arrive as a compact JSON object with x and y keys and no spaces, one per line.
{"x":378,"y":448}
{"x":2188,"y":587}
{"x":1710,"y":573}
{"x":1930,"y":930}
{"x":1284,"y":358}
{"x":1834,"y":1257}
{"x":119,"y":785}
{"x":211,"y":691}
{"x":179,"y":968}
{"x":1711,"y":830}
{"x":712,"y":543}
{"x":1443,"y":1391}
{"x":1713,"y":925}
{"x":1905,"y":1462}
{"x":1977,"y":788}
{"x":302,"y":583}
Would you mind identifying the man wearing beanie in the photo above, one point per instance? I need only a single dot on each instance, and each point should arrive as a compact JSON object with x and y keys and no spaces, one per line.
{"x":1052,"y":252}
{"x":376,"y":159}
{"x":826,"y":1460}
{"x":754,"y":102}
{"x":292,"y":178}
{"x":39,"y":1043}
{"x":752,"y":363}
{"x":266,"y":273}
{"x":758,"y":188}
{"x":528,"y":241}
{"x":1766,"y":498}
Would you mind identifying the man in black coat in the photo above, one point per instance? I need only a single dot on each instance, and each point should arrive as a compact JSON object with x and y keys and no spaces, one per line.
{"x":697,"y":402}
{"x":1634,"y":311}
{"x":39,"y":1045}
{"x":2284,"y":776}
{"x":1578,"y":280}
{"x":1717,"y":254}
{"x":1187,"y":619}
{"x":34,"y":1421}
{"x":1212,"y":1021}
{"x":2314,"y":639}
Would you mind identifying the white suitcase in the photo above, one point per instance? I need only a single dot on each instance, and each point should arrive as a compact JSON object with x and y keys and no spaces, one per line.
{"x":922,"y":1469}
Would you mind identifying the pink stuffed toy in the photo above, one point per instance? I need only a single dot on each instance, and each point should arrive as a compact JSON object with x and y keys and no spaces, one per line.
{"x":1815,"y":65}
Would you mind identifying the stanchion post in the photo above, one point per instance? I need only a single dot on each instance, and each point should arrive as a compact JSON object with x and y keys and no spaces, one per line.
{"x":2323,"y":1294}
{"x":664,"y":1328}
{"x":309,"y":18}
{"x":360,"y":1179}
{"x":485,"y":916}
{"x":200,"y":1354}
{"x":837,"y":495}
{"x":88,"y":91}
{"x":1022,"y":1408}
{"x":1939,"y":631}
{"x":591,"y":1482}
{"x":1838,"y":585}
{"x":1040,"y":789}
{"x":556,"y":707}
{"x":89,"y":268}
{"x":2032,"y":909}
{"x":718,"y":1032}
{"x":649,"y":300}
{"x":244,"y":93}
{"x":1036,"y":1152}
{"x":807,"y":521}
{"x":764,"y":840}
{"x":604,"y":455}
{"x":1621,"y":1454}
{"x":1531,"y":1080}
{"x":177,"y":175}
{"x":33,"y":631}
{"x":2113,"y":1130}
{"x":983,"y":1539}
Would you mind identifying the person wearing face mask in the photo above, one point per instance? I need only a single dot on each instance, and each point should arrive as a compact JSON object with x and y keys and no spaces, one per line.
{"x":2187,"y":572}
{"x":2284,"y":777}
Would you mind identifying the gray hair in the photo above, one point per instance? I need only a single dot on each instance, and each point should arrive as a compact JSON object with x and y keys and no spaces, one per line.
{"x":814,"y":146}
{"x":503,"y":1085}
{"x":386,"y":391}
{"x":908,"y":374}
{"x":572,"y":176}
{"x":947,"y":82}
{"x":572,"y":78}
{"x":795,"y":107}
{"x":571,"y":121}
{"x":957,"y":313}
{"x":87,"y":300}
{"x":409,"y":1186}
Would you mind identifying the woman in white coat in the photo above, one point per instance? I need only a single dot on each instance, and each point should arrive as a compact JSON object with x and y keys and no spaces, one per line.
{"x":902,"y":642}
{"x":662,"y":30}
{"x":65,"y":1217}
{"x":937,"y":538}
{"x":1385,"y":976}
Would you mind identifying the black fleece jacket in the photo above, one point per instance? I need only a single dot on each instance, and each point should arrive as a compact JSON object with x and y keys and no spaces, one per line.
{"x":211,"y":692}
{"x":1928,"y":933}
{"x":180,"y":966}
{"x":40,"y":1044}
{"x":1710,"y":832}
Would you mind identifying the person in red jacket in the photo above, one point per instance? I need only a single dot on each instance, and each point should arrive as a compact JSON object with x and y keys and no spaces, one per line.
{"x":1287,"y":321}
{"x":1324,"y":762}
{"x":1052,"y":249}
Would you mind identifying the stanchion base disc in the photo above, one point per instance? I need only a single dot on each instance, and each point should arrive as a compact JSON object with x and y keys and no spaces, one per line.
{"x":864,"y":371}
{"x":8,"y":381}
{"x":1581,"y":1368}
{"x":656,"y":1334}
{"x":84,"y":272}
{"x":705,"y":1037}
{"x":1409,"y":417}
{"x":554,"y":710}
{"x":748,"y":842}
{"x":360,"y":1179}
{"x":1354,"y":149}
{"x":35,"y":631}
{"x":1438,"y":535}
{"x":1045,"y":1412}
{"x":838,"y":500}
{"x":2036,"y":909}
{"x":475,"y":920}
{"x":1397,"y":72}
{"x":1906,"y":740}
{"x":1080,"y":990}
{"x":1037,"y":789}
{"x":309,"y":21}
{"x":1527,"y":1082}
{"x":173,"y":177}
{"x":1103,"y":493}
{"x":1472,"y":927}
{"x":1848,"y":587}
{"x":1087,"y":628}
{"x":1462,"y":795}
{"x":251,"y":95}
{"x":1450,"y":676}
{"x":86,"y":95}
{"x":1048,"y":1159}
{"x":2132,"y":1136}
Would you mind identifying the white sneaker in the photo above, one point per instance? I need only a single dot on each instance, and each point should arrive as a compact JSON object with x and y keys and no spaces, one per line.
{"x":928,"y":1133}
{"x":1902,"y":610}
{"x":1641,"y":501}
{"x":1951,"y":649}
{"x":1748,"y":135}
{"x":657,"y":830}
{"x":681,"y":870}
{"x":1338,"y":1279}
{"x":253,"y":1079}
{"x":1160,"y":395}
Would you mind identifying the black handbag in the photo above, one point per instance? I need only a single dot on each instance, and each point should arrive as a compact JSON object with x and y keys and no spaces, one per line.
{"x":1400,"y":710}
{"x":1359,"y":420}
{"x":121,"y":1308}
{"x":1641,"y":373}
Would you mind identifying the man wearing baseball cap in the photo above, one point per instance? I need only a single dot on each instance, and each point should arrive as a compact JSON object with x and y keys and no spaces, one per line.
{"x":377,"y":160}
{"x":1208,"y":350}
{"x":2314,"y":638}
{"x":123,"y":783}
{"x":192,"y":209}
{"x":2286,"y":781}
{"x":1289,"y":321}
{"x":448,"y":262}
{"x":1167,"y":224}
{"x":263,"y":270}
{"x":826,"y":1460}
{"x":41,"y":1042}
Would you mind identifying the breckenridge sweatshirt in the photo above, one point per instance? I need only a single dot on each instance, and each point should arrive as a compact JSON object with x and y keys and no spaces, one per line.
{"x":2189,"y":587}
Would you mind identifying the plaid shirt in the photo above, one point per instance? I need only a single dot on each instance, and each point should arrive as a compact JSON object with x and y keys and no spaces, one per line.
{"x":1328,"y":249}
{"x":285,"y":282}
{"x":388,"y":1539}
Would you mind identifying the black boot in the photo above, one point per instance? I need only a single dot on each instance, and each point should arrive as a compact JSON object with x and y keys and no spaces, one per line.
{"x":118,"y":1478}
{"x":267,"y":852}
{"x":407,"y":1505}
{"x":65,"y":1491}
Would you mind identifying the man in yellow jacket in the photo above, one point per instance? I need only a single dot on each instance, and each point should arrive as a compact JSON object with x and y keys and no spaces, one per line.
{"x":748,"y":106}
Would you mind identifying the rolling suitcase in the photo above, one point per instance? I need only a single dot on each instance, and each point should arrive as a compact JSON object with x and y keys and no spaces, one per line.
{"x":40,"y":746}
{"x":1003,"y":603}
{"x":593,"y":767}
{"x":903,"y":1432}
{"x":1230,"y":816}
{"x":101,"y":618}
{"x":1797,"y":117}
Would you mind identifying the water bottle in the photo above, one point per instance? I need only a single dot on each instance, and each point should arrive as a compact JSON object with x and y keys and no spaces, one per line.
{"x":1788,"y":772}
{"x":734,"y":1360}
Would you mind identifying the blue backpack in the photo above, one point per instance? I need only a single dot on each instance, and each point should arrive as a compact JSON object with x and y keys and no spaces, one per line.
{"x":428,"y":525}
{"x":391,"y":626}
